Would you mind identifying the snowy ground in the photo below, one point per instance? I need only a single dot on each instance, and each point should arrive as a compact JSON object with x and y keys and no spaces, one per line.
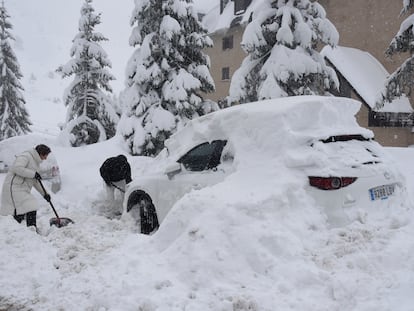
{"x":207,"y":255}
{"x":224,"y":258}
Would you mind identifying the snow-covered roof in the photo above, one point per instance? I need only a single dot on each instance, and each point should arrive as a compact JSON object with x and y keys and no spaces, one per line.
{"x":366,"y":75}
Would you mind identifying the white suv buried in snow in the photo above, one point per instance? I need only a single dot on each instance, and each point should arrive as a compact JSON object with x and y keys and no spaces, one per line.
{"x":314,"y":142}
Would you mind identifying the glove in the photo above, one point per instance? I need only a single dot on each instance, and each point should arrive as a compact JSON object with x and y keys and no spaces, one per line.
{"x":47,"y":197}
{"x":37,"y":176}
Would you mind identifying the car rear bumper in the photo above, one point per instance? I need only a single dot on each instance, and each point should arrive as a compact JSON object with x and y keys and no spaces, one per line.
{"x":345,"y":205}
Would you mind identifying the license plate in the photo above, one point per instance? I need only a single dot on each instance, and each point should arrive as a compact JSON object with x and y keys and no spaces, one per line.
{"x":381,"y":192}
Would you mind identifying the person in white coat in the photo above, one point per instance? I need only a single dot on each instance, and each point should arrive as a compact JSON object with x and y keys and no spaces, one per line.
{"x":16,"y":199}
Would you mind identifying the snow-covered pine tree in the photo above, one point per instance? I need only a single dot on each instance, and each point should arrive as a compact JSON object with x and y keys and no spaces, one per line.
{"x":165,"y":75}
{"x":282,"y":60}
{"x":14,"y":119}
{"x":90,"y":117}
{"x":401,"y":81}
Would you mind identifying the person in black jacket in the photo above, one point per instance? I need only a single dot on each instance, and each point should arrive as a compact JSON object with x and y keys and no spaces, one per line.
{"x":116,"y":173}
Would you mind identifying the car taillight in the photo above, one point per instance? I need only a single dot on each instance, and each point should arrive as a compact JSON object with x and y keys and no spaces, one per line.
{"x":330,"y":183}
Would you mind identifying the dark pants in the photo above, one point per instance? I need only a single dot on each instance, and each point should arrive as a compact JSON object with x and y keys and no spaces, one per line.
{"x":30,"y":218}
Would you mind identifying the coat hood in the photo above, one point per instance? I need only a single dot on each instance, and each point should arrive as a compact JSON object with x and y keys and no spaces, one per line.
{"x":33,"y":153}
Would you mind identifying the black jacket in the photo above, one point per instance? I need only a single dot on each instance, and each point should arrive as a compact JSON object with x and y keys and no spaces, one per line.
{"x":115,"y":169}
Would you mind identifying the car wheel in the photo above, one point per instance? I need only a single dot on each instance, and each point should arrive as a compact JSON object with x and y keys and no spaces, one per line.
{"x":142,"y":209}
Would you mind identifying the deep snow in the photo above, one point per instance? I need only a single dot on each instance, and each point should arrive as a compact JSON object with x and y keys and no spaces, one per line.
{"x":209,"y":254}
{"x":221,"y":248}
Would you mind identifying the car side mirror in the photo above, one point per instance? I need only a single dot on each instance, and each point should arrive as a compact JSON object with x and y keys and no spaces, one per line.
{"x":173,"y":169}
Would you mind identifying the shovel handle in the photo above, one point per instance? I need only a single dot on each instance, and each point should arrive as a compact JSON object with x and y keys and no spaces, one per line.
{"x":50,"y":202}
{"x":119,"y":188}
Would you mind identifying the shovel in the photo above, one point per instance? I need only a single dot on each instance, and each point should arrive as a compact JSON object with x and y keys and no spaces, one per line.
{"x":58,"y":221}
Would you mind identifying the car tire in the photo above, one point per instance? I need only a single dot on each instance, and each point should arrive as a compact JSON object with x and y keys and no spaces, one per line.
{"x":140,"y":205}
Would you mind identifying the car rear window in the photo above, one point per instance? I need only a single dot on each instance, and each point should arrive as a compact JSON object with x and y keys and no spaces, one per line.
{"x":348,"y":151}
{"x":345,"y":138}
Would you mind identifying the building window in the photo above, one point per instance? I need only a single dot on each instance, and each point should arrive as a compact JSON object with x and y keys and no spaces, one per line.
{"x":228,"y":42}
{"x":225,"y":73}
{"x":200,"y":16}
{"x":240,"y":6}
{"x":389,"y":119}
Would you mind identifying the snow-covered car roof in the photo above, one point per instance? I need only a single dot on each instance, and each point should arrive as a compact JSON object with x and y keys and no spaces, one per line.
{"x":302,"y":118}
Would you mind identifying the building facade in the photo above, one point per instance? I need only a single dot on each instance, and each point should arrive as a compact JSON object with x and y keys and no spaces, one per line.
{"x":368,"y":25}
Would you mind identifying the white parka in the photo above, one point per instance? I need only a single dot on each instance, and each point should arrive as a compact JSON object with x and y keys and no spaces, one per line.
{"x":16,"y":192}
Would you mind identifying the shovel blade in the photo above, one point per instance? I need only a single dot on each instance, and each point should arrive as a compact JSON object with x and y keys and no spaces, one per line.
{"x":60,"y":222}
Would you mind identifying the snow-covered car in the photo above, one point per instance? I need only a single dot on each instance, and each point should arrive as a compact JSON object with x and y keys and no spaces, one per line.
{"x":316,"y":139}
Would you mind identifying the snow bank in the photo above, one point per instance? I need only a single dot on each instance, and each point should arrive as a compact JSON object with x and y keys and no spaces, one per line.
{"x":253,"y":242}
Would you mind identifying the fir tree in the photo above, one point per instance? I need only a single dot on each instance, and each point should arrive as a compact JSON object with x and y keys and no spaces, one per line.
{"x":282,"y":59}
{"x":90,"y":116}
{"x":401,"y":81}
{"x":14,"y":119}
{"x":165,"y":75}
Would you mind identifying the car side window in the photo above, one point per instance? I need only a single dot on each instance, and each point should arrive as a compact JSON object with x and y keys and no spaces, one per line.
{"x":203,"y":157}
{"x":216,"y":155}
